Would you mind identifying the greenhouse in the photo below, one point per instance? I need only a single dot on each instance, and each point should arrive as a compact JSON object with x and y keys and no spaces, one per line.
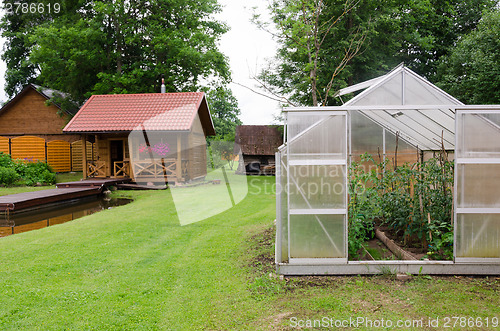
{"x":397,"y":125}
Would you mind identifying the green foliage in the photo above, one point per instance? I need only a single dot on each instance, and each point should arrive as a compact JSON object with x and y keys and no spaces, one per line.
{"x":472,"y":70}
{"x":416,"y":32}
{"x":414,"y":200}
{"x":221,"y":153}
{"x":224,"y":110}
{"x":8,"y":176}
{"x":102,"y":47}
{"x":363,"y":207}
{"x":24,"y":173}
{"x":307,"y":60}
{"x":35,"y":172}
{"x":5,"y":160}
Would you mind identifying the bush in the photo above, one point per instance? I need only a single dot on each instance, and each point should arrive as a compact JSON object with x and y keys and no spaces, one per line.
{"x":36,"y":172}
{"x":6,"y":160}
{"x":30,"y":173}
{"x":8,"y":176}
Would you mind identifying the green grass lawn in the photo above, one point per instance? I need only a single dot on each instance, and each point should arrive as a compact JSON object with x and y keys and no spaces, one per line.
{"x":135,"y":267}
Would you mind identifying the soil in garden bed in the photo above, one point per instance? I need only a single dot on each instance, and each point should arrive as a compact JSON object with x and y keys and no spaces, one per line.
{"x":414,"y":249}
{"x":377,"y":250}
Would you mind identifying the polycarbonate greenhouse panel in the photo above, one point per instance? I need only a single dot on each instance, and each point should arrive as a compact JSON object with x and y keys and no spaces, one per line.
{"x":477,"y":183}
{"x":424,"y":134}
{"x":369,"y":137}
{"x":316,"y":166}
{"x":405,"y":151}
{"x":444,"y":116}
{"x":387,"y":92}
{"x":316,"y":140}
{"x":366,"y":136}
{"x":478,"y":236}
{"x":420,"y":92}
{"x":317,"y":236}
{"x":475,"y":145}
{"x":317,"y":186}
{"x":282,"y":190}
{"x":402,"y":87}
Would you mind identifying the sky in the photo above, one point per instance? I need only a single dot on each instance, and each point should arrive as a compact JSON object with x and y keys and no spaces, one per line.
{"x":247,"y":49}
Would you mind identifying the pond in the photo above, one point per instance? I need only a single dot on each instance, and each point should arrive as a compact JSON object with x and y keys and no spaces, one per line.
{"x":22,"y":221}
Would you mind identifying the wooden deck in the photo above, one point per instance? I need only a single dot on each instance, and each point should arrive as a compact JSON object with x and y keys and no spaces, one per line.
{"x":38,"y":199}
{"x":140,"y":187}
{"x":95,"y":182}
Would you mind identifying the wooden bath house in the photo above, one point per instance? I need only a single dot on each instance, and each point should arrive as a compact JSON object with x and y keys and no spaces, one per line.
{"x":155,"y":137}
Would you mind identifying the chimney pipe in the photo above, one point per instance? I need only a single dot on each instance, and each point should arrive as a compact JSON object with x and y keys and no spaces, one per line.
{"x":163,"y":88}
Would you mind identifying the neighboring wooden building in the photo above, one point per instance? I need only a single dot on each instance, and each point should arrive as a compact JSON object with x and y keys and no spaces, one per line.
{"x":31,"y":130}
{"x":155,"y":137}
{"x":258,"y":144}
{"x":28,"y":115}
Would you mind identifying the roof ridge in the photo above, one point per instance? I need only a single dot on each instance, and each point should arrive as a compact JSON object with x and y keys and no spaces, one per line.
{"x":148,"y":94}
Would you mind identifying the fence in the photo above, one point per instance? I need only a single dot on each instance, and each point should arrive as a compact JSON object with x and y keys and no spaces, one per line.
{"x":61,"y":155}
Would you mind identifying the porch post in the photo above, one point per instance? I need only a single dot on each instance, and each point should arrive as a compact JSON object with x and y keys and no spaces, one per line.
{"x":84,"y":156}
{"x":178,"y":165}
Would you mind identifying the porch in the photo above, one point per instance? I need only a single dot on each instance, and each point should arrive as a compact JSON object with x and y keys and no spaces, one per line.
{"x":145,"y":170}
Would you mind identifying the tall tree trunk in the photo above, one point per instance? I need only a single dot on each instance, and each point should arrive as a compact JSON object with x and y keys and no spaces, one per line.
{"x":314,"y":88}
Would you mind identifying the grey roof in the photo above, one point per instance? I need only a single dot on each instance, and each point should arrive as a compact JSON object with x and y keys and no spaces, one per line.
{"x":49,"y":93}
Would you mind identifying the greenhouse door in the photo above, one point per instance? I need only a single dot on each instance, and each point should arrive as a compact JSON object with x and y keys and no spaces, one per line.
{"x":477,"y":184}
{"x":316,"y":175}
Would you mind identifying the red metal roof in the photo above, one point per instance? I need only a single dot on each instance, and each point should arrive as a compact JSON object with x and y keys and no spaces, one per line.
{"x":152,"y":111}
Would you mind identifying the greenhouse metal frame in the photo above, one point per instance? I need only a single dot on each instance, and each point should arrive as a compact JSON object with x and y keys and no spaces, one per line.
{"x":402,"y":109}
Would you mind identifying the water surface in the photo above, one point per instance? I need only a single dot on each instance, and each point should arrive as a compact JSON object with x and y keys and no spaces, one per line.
{"x":62,"y":212}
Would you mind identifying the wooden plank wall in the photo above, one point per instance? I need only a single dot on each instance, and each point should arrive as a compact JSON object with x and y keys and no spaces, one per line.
{"x":102,"y":147}
{"x":5,"y":145}
{"x":197,"y":166}
{"x":30,"y":116}
{"x":59,"y":155}
{"x":77,"y":155}
{"x":29,"y":148}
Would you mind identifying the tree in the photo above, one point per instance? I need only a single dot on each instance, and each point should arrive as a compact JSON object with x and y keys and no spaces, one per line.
{"x":416,"y":32}
{"x":224,"y":110}
{"x":472,"y":70}
{"x":118,"y":46}
{"x":17,"y":28}
{"x":298,"y":73}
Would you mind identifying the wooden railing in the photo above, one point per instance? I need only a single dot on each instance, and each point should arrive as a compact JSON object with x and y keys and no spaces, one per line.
{"x":164,"y":168}
{"x":96,"y":169}
{"x":121,"y":169}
